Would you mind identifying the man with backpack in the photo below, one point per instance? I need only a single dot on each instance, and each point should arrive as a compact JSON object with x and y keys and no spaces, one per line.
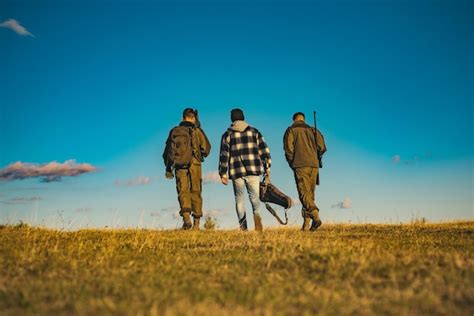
{"x":244,"y":156}
{"x":304,"y":147}
{"x":186,"y":147}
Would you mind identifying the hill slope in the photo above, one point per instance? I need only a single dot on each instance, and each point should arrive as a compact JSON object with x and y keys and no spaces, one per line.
{"x":342,"y":269}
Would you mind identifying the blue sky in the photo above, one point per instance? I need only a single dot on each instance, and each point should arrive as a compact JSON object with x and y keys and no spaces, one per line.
{"x":103,"y":82}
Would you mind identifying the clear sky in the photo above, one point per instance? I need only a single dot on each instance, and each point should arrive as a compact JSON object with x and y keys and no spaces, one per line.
{"x":102,"y":83}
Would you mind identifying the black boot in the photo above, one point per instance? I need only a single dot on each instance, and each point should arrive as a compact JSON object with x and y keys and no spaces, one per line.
{"x":187,"y":221}
{"x":243,"y":223}
{"x":316,"y":220}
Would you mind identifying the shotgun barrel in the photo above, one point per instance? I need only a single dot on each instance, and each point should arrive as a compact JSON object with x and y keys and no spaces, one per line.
{"x":318,"y":153}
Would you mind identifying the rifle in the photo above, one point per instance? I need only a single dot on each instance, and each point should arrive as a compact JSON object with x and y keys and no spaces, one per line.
{"x":198,"y":124}
{"x":318,"y":153}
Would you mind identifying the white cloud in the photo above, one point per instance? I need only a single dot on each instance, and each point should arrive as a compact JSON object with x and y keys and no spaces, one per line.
{"x":397,"y":159}
{"x":211,"y":177}
{"x":346,"y":204}
{"x":141,"y":180}
{"x":15,"y":26}
{"x":22,"y":200}
{"x":49,"y":172}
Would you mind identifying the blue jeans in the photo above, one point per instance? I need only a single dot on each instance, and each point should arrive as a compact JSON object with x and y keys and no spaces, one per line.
{"x":252,"y":183}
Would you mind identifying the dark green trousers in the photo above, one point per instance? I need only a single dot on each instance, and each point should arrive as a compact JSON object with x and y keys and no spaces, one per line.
{"x":305,"y":178}
{"x":189,"y":187}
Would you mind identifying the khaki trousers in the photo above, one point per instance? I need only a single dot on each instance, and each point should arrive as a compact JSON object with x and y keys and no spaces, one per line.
{"x":189,"y":188}
{"x":305,"y":178}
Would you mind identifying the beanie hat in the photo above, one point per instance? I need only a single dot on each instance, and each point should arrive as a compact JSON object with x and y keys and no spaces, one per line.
{"x":236,"y":115}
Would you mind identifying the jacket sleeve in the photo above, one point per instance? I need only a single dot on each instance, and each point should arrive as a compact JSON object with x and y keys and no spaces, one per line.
{"x":166,"y":160}
{"x":204,"y":144}
{"x":321,"y":143}
{"x":264,"y":152}
{"x":224,"y":155}
{"x":288,"y":146}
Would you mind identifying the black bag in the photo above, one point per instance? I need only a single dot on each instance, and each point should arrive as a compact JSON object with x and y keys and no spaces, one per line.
{"x":271,"y":194}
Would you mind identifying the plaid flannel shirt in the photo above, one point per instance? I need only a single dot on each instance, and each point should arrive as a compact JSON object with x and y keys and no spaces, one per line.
{"x":244,"y":153}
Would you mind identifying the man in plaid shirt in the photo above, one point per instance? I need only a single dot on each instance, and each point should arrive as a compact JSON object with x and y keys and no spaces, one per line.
{"x":244,"y":156}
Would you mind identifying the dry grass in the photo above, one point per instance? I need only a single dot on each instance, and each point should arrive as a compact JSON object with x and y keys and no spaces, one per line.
{"x":421,"y":269}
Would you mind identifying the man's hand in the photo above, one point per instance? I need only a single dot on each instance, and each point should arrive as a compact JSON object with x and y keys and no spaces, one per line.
{"x":224,"y":180}
{"x":169,"y":175}
{"x":267,"y":177}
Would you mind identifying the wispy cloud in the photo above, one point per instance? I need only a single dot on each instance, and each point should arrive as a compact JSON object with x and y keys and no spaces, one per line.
{"x":22,"y":200}
{"x":211,"y":177}
{"x":346,"y":204}
{"x":49,"y":172}
{"x":169,"y":209}
{"x":173,"y":210}
{"x":140,"y":180}
{"x":15,"y":26}
{"x":155,"y":214}
{"x":83,"y":210}
{"x":397,"y":159}
{"x":214,"y":213}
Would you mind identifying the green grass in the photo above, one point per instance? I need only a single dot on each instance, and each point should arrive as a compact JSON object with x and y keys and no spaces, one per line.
{"x":423,"y":269}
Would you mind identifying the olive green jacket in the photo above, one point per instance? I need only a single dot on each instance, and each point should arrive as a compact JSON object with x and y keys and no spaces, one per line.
{"x":299,"y":144}
{"x":201,"y":146}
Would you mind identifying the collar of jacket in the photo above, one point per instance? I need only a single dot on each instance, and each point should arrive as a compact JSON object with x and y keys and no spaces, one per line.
{"x":187,"y":124}
{"x":238,"y":126}
{"x":300,"y":124}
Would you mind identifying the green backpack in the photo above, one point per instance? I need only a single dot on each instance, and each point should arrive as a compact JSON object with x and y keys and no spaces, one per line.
{"x":181,"y":147}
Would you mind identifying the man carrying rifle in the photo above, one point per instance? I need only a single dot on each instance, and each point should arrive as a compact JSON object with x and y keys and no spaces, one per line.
{"x":186,"y":147}
{"x":304,"y":147}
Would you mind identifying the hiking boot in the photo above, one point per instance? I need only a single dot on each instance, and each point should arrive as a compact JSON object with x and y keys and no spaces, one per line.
{"x":187,"y":221}
{"x":258,"y":223}
{"x":315,"y":225}
{"x":196,"y":223}
{"x":316,"y":220}
{"x":243,"y":223}
{"x":306,"y":224}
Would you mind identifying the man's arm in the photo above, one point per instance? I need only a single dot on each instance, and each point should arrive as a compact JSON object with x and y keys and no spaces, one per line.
{"x":264,"y":153}
{"x":204,"y":144}
{"x":224,"y":155}
{"x":288,"y":146}
{"x":166,"y":160}
{"x":321,"y":143}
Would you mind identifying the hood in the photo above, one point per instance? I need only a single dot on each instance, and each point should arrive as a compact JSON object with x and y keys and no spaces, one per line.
{"x":239,"y":126}
{"x":300,"y":124}
{"x":186,"y":123}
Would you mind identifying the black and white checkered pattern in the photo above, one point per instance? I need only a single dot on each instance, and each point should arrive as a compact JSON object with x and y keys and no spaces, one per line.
{"x":244,"y":154}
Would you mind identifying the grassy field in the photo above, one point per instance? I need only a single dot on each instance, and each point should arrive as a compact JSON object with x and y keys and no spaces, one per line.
{"x":424,"y":269}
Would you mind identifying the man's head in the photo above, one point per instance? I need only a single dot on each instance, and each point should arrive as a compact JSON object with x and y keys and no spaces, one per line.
{"x":298,"y":116}
{"x":189,"y":115}
{"x":236,"y":115}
